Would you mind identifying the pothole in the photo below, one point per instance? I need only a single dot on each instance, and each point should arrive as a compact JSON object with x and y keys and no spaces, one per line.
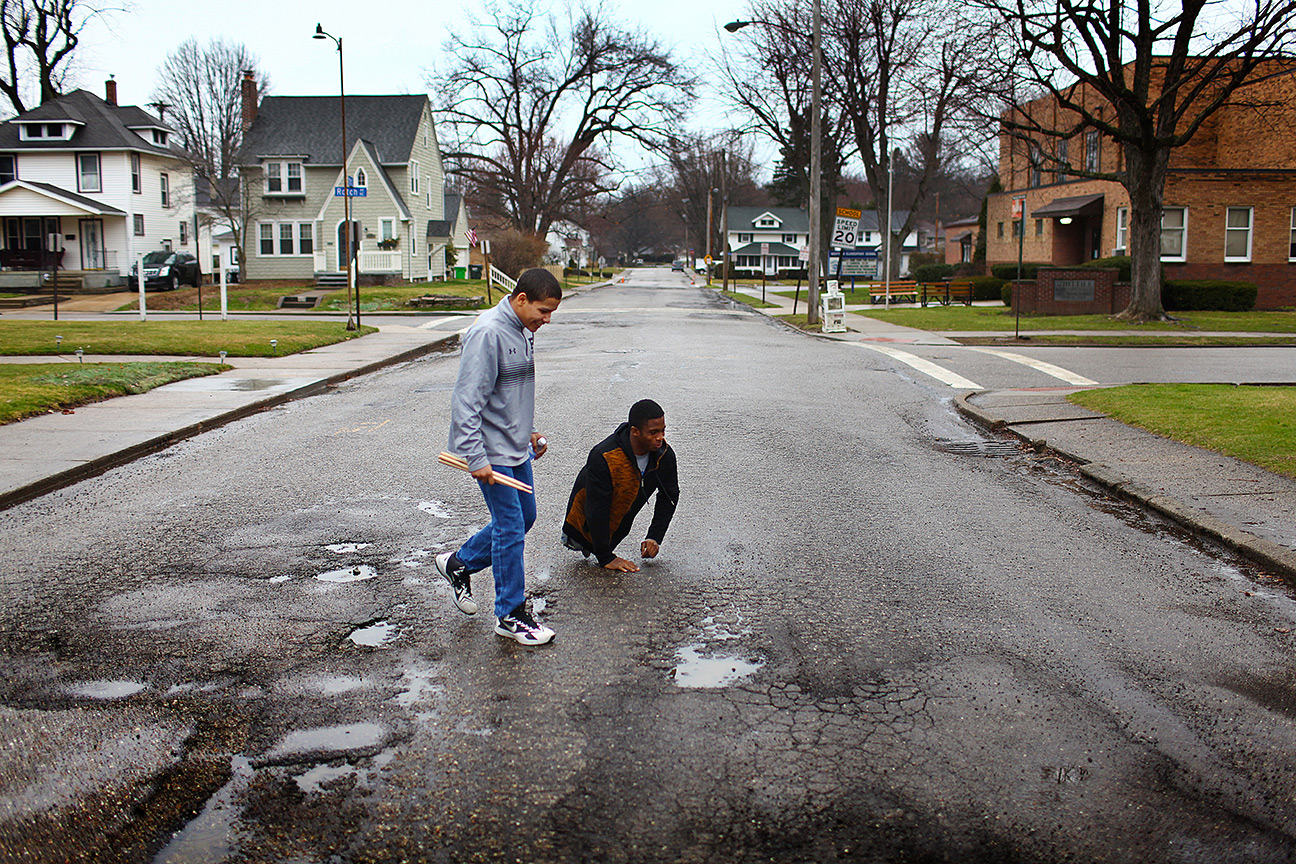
{"x":374,"y":635}
{"x":325,"y":742}
{"x":697,"y":669}
{"x":106,"y":689}
{"x":348,"y":574}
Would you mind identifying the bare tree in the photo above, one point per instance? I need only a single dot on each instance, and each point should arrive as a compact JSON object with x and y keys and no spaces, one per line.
{"x":1147,"y":75}
{"x":722,"y":162}
{"x":202,"y":89}
{"x":528,"y":100}
{"x":40,"y":39}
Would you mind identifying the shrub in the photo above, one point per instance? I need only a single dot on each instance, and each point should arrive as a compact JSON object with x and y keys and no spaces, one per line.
{"x":987,"y":287}
{"x":512,"y":251}
{"x":1208,"y":294}
{"x":792,"y":275}
{"x":1005,"y":294}
{"x":1119,"y":262}
{"x":1008,"y":270}
{"x":932,"y":272}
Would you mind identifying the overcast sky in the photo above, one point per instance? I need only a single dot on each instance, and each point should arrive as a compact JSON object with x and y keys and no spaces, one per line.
{"x":387,"y":45}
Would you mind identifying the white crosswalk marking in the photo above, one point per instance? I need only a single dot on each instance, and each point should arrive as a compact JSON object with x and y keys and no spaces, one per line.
{"x":941,"y":374}
{"x":1040,"y":366}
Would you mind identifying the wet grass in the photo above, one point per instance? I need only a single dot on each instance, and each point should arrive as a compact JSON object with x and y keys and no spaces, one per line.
{"x":182,"y":338}
{"x":28,"y":389}
{"x":1254,"y":424}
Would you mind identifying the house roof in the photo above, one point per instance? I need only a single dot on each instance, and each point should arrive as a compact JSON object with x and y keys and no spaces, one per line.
{"x":105,"y":127}
{"x":781,"y":249}
{"x":311,"y":126}
{"x":440,"y":229}
{"x":791,"y":219}
{"x":73,"y":204}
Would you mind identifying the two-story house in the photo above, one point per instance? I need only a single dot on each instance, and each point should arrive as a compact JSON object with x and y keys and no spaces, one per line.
{"x":1229,"y":201}
{"x":766,"y":238}
{"x":296,"y":185}
{"x":103,"y":183}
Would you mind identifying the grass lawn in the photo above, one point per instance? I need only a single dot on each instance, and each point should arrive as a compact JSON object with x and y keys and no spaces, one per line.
{"x":28,"y":389}
{"x":184,"y":338}
{"x":378,"y":298}
{"x":1255,"y":424}
{"x":748,"y":299}
{"x":1001,"y":318}
{"x":800,"y":321}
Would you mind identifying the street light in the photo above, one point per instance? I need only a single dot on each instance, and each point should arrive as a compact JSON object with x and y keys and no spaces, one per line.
{"x":346,"y":186}
{"x":684,"y":216}
{"x":816,"y":173}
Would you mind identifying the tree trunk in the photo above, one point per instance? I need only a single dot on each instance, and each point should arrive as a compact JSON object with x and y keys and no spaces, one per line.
{"x":1145,"y":182}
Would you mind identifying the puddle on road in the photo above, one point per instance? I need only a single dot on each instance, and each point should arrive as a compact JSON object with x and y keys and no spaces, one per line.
{"x":324,"y":740}
{"x":208,"y":838}
{"x":698,"y":670}
{"x":332,"y":685}
{"x":344,"y":548}
{"x":436,"y":508}
{"x":276,"y":580}
{"x":374,"y":635}
{"x":106,"y":689}
{"x":348,"y":574}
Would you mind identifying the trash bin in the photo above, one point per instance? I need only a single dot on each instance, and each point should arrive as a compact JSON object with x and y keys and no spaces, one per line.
{"x":474,"y":271}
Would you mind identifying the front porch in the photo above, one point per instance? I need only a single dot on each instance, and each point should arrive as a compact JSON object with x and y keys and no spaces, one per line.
{"x":43,"y":226}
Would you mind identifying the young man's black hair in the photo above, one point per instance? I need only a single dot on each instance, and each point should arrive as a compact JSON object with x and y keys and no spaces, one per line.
{"x":643,"y":411}
{"x":538,"y":284}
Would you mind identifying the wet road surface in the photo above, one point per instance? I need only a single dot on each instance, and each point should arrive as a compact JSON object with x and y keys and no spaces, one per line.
{"x":873,"y":634}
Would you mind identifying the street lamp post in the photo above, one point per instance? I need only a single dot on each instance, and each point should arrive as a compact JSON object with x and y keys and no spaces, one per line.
{"x":816,"y":154}
{"x":352,"y":324}
{"x":708,"y":236}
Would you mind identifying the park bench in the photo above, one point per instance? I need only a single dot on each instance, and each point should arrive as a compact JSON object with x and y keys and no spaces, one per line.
{"x":878,"y":292}
{"x":946,"y":293}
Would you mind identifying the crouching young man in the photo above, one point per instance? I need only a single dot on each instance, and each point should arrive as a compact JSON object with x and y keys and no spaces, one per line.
{"x":620,"y":475}
{"x":492,"y":426}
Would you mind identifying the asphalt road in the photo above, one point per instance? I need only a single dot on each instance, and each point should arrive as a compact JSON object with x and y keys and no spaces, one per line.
{"x":872,"y":635}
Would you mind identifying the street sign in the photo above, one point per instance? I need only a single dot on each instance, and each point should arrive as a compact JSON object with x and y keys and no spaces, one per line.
{"x":845,"y":228}
{"x":804,"y":254}
{"x":350,"y":192}
{"x":764,"y":250}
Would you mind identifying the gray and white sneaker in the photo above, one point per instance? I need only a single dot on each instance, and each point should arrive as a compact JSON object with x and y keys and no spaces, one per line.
{"x":457,"y":575}
{"x":519,"y":625}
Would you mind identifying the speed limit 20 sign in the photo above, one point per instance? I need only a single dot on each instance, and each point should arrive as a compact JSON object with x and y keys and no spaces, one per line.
{"x":846,"y":228}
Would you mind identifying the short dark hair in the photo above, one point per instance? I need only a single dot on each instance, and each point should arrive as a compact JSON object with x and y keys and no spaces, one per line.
{"x":538,"y":284}
{"x":643,"y":411}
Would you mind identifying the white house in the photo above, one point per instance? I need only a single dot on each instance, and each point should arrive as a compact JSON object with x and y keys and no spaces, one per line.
{"x":766,"y":238}
{"x":569,"y":242}
{"x":102,"y":182}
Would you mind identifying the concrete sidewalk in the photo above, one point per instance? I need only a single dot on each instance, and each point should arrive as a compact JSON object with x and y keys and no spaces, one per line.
{"x":1246,"y":508}
{"x":50,"y":451}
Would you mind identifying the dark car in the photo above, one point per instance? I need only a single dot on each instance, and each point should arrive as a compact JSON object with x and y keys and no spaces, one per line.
{"x":168,"y":270}
{"x":677,"y":264}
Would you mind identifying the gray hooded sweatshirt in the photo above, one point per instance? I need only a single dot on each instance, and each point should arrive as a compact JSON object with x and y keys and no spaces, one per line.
{"x":492,"y":411}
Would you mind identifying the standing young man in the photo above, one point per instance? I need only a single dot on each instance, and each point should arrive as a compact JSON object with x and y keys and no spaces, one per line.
{"x":492,"y":425}
{"x":620,"y":475}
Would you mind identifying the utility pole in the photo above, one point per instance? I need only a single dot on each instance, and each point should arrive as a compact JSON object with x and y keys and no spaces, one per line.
{"x":708,"y":233}
{"x":724,"y":215}
{"x":816,"y":173}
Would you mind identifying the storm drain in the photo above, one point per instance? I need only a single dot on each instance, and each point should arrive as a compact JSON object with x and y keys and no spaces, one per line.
{"x":979,"y":448}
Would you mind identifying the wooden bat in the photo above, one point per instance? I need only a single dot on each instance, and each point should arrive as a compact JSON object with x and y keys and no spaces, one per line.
{"x":462,"y":464}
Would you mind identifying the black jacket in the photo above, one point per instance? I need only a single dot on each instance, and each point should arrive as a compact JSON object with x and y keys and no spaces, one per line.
{"x":609,"y":492}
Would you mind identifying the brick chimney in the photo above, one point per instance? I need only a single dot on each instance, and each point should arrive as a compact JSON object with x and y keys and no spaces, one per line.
{"x":110,"y":91}
{"x":249,"y":99}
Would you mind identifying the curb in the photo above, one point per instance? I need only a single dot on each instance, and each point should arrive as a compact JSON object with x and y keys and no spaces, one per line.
{"x":94,"y":467}
{"x":1258,"y":549}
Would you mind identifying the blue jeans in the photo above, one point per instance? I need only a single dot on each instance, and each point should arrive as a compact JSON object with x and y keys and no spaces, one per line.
{"x":499,"y":545}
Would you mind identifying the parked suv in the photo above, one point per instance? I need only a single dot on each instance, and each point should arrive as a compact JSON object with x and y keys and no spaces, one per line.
{"x":677,"y":264}
{"x":168,"y":270}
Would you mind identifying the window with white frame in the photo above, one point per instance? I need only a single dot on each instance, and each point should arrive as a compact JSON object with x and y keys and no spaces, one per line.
{"x":414,"y":177}
{"x":744,"y":238}
{"x":1237,"y":233}
{"x":1122,"y":230}
{"x":283,"y":178}
{"x":88,"y":173}
{"x":8,"y":167}
{"x":361,"y":179}
{"x":280,"y":239}
{"x":789,"y":239}
{"x":166,"y":190}
{"x":45,"y":131}
{"x":1174,"y":233}
{"x":386,"y":229}
{"x":139,"y":224}
{"x":1291,"y":252}
{"x":766,"y":222}
{"x":184,"y":232}
{"x":137,"y":174}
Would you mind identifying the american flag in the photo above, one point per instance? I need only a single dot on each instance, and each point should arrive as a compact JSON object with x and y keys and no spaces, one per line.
{"x":472,"y":237}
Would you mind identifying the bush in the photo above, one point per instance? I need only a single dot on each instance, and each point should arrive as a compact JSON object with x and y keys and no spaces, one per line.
{"x":792,"y":275}
{"x":1216,"y":295}
{"x":512,"y":251}
{"x":1005,"y":294}
{"x":1009,"y":270}
{"x":1119,"y":262}
{"x":987,"y":287}
{"x":932,"y":272}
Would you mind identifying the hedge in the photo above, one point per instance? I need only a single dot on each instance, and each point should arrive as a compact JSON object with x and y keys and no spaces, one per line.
{"x":987,"y":287}
{"x":932,"y":273}
{"x":1118,"y":262}
{"x":1216,"y":295}
{"x":1009,"y":270}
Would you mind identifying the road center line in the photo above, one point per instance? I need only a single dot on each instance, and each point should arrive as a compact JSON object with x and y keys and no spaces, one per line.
{"x":926,"y":367}
{"x":1040,"y":366}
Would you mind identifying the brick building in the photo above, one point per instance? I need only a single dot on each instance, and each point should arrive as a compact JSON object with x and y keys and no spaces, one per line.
{"x":1230,"y":193}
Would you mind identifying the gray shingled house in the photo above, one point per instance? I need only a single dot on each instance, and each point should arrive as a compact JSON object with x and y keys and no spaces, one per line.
{"x":102,"y":182}
{"x":292,"y":161}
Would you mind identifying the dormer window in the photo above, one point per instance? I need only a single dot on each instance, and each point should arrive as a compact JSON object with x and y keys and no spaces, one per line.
{"x":45,"y":131}
{"x":159,"y":138}
{"x":283,"y":178}
{"x":766,"y":222}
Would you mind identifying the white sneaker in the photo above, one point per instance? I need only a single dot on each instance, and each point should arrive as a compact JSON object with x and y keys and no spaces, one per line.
{"x":519,"y":625}
{"x":460,"y":584}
